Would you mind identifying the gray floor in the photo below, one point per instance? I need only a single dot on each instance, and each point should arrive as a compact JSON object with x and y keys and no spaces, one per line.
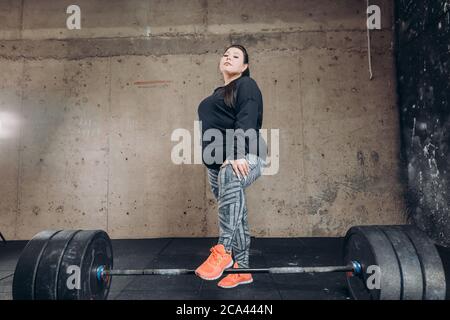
{"x":191,"y":252}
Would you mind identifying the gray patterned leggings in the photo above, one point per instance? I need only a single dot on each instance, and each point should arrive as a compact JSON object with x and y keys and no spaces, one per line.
{"x":229,"y":192}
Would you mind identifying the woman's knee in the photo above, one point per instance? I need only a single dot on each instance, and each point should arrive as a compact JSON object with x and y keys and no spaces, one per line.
{"x":227,"y":175}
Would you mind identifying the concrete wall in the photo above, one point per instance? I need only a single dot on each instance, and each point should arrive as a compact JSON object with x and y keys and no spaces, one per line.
{"x":423,"y":58}
{"x":87,"y":115}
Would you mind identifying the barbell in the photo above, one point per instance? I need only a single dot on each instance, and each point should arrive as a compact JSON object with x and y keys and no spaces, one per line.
{"x":380,"y":263}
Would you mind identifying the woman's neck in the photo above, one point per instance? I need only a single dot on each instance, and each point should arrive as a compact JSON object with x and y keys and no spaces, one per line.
{"x":227,"y":80}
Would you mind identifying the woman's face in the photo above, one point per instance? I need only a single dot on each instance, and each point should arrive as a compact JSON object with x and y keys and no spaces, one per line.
{"x":232,"y":62}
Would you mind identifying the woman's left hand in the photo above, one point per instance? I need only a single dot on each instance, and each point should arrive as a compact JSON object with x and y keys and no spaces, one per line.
{"x":240,"y":167}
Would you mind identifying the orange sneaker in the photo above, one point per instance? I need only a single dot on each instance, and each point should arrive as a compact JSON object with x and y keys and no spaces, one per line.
{"x":217,"y":261}
{"x":234,"y":279}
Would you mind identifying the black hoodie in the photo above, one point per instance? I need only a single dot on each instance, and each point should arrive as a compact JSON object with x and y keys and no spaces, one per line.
{"x":247,"y":113}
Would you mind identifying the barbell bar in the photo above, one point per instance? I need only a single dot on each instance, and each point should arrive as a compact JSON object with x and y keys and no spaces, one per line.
{"x":409,"y":265}
{"x":103,"y":272}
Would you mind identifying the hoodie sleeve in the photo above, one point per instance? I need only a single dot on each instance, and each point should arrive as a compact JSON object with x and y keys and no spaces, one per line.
{"x":248,"y":108}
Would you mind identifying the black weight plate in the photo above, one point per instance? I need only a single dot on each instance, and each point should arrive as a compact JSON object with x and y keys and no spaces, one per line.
{"x":431,"y":263}
{"x":27,"y":265}
{"x":412,"y":281}
{"x":46,"y":282}
{"x":356,"y":247}
{"x":369,"y":246}
{"x":87,"y":250}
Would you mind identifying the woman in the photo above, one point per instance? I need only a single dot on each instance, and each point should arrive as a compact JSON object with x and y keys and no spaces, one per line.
{"x":232,"y":166}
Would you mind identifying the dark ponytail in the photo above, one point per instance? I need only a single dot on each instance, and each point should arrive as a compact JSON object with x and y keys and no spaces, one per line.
{"x":230,"y":89}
